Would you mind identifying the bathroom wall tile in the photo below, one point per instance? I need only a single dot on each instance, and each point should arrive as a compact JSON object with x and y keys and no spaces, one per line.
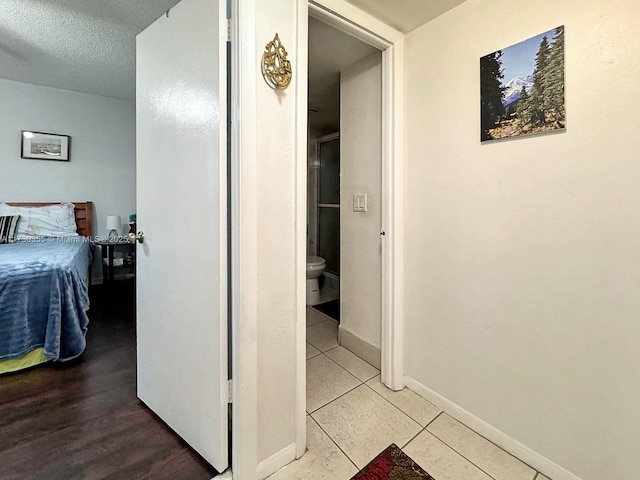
{"x":323,"y":336}
{"x":363,"y":424}
{"x":486,"y":455}
{"x":312,"y":351}
{"x":408,"y":401}
{"x":440,"y":461}
{"x":326,"y":381}
{"x":354,"y":364}
{"x":323,"y":460}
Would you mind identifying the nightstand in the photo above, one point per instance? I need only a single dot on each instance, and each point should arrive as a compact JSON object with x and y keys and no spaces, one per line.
{"x":109,"y":263}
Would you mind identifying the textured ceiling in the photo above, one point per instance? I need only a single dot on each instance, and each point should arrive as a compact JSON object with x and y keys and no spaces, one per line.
{"x":330,"y":52}
{"x":89,"y":45}
{"x":82,"y":45}
{"x":405,"y":15}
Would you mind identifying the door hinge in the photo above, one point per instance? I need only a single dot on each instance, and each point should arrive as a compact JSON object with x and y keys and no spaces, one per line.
{"x":228,"y":29}
{"x":230,"y":393}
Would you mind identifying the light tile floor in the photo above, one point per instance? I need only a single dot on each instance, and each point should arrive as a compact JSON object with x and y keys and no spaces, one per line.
{"x":352,"y":417}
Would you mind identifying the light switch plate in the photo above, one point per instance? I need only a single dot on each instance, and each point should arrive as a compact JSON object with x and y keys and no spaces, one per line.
{"x":359,"y":202}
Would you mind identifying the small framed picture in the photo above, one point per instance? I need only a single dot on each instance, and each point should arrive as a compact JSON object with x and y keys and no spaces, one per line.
{"x":45,"y":146}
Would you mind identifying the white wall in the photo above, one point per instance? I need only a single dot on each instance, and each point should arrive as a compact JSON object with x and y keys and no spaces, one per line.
{"x":360,"y":172}
{"x":276,"y":242}
{"x":102,"y":166}
{"x":522,"y":268}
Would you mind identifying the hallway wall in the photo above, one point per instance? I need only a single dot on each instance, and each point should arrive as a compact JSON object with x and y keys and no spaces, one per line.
{"x":361,"y":172}
{"x":103,"y":154}
{"x":521,"y":257}
{"x":276,"y":171}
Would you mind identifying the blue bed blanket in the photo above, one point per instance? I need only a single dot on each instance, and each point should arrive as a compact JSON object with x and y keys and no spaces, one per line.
{"x":44,"y":297}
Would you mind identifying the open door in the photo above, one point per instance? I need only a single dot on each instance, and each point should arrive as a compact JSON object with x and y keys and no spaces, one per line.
{"x":181,"y":208}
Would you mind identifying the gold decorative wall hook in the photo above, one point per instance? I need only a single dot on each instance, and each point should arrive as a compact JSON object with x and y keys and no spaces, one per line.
{"x":276,"y":69}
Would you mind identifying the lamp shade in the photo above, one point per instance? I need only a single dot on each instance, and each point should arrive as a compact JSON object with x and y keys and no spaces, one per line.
{"x":114,"y":223}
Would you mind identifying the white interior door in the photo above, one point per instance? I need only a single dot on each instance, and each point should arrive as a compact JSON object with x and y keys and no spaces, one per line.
{"x":181,"y":208}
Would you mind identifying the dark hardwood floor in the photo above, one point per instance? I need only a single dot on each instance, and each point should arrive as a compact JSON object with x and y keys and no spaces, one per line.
{"x":83,"y":421}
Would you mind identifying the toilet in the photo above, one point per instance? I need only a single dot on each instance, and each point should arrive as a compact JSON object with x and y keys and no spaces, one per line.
{"x":315,"y":267}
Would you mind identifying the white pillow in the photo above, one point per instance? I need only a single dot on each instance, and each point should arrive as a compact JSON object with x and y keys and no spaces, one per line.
{"x":49,"y":221}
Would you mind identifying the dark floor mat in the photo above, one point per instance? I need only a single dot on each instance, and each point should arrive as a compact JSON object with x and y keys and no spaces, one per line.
{"x":331,"y":308}
{"x":392,"y":464}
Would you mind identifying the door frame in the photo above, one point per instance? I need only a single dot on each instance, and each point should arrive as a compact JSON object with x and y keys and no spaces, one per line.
{"x":243,"y":202}
{"x":243,"y":256}
{"x":355,"y":22}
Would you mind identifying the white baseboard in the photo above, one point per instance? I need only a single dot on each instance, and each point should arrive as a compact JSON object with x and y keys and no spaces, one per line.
{"x":368,"y":352}
{"x":501,"y":439}
{"x":275,"y":462}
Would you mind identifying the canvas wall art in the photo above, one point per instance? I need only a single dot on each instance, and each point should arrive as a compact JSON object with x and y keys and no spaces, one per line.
{"x":522,"y":88}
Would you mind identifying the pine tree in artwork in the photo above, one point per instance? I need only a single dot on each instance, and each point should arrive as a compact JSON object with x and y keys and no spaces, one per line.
{"x":553,"y":80}
{"x":491,"y":91}
{"x":542,"y":60}
{"x":522,"y":109}
{"x":536,"y":104}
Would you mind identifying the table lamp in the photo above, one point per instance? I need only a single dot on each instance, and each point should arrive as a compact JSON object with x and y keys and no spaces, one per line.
{"x":113,"y":224}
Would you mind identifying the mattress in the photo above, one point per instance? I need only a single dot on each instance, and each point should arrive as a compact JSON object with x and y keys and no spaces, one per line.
{"x":44,"y":298}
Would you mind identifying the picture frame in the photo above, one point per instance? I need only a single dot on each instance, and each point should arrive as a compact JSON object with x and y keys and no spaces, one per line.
{"x":522,"y":88}
{"x":45,"y":146}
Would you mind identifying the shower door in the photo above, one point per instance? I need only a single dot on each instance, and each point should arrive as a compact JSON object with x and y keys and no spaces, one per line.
{"x":329,"y":202}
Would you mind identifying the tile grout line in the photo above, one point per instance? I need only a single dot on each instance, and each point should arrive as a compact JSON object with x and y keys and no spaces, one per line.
{"x":332,"y":348}
{"x":358,"y":357}
{"x":394,"y":406}
{"x":327,"y":318}
{"x":315,"y":310}
{"x":334,"y":442}
{"x":337,"y":346}
{"x":489,"y":441}
{"x":422,"y":429}
{"x":411,"y":439}
{"x":322,"y":320}
{"x":339,"y":396}
{"x":363,"y":383}
{"x":319,"y":352}
{"x":314,"y":324}
{"x":317,"y":348}
{"x":398,"y":408}
{"x":351,"y":373}
{"x":459,"y":453}
{"x":343,"y":394}
{"x":433,"y":419}
{"x":343,"y":368}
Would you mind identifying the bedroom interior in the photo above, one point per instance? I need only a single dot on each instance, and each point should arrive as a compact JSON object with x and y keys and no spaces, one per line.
{"x":45,"y":279}
{"x":67,"y":338}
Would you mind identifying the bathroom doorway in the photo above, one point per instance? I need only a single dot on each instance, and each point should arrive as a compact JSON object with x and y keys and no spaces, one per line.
{"x":346,"y":25}
{"x":344,"y":212}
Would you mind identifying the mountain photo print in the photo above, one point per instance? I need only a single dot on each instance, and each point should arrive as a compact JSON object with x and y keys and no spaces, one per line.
{"x":522,"y":88}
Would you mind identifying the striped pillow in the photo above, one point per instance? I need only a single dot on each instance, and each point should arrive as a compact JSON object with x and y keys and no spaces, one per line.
{"x":8,"y":227}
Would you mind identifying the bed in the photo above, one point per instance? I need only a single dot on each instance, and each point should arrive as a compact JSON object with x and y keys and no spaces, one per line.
{"x":44,"y":295}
